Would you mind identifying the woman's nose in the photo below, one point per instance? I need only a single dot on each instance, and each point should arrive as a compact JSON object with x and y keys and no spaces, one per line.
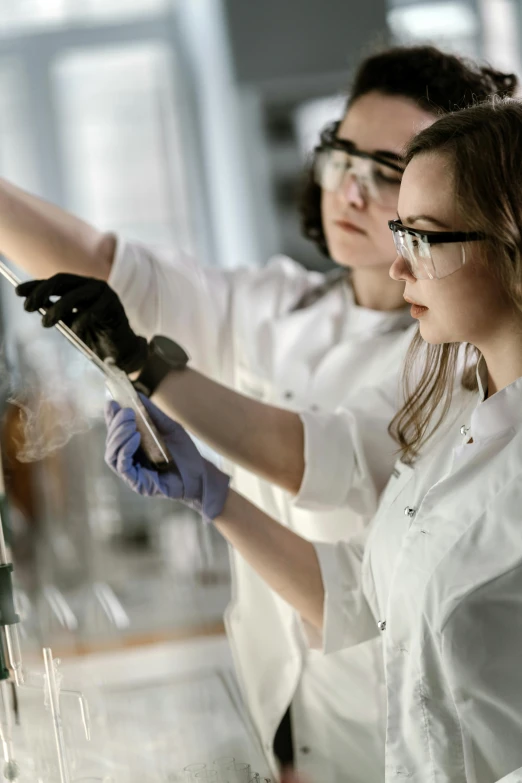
{"x":399,"y":270}
{"x":351,"y":192}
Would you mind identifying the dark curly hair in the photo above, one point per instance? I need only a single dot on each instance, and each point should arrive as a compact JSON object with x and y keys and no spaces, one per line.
{"x":435,"y":81}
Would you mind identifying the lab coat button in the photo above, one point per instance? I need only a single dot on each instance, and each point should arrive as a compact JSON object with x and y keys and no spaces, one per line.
{"x":288,"y":395}
{"x":464,"y":430}
{"x":305,"y":749}
{"x":410,"y":512}
{"x":314,"y":408}
{"x":381,"y":625}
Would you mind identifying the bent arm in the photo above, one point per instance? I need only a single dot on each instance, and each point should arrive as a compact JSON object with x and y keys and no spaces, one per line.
{"x":43,"y":239}
{"x":323,"y":582}
{"x":261,"y":438}
{"x":287,"y":562}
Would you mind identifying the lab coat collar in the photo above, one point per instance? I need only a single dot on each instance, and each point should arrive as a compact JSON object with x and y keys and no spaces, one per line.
{"x":363,"y":320}
{"x":500,"y":412}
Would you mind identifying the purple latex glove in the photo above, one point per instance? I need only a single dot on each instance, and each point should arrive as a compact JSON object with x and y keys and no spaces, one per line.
{"x":193,"y":480}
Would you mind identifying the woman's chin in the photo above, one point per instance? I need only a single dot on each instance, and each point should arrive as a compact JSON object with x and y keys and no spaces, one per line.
{"x":430,"y":334}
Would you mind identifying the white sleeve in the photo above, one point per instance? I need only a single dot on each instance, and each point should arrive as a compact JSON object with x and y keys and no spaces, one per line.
{"x":481,"y":650}
{"x":348,"y":618}
{"x":207,"y":310}
{"x":349,"y":454}
{"x":176,"y":298}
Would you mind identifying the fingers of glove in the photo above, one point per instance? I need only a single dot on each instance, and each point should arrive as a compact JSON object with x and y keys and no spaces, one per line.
{"x":75,"y":303}
{"x":111,"y":409}
{"x":121,"y":430}
{"x":123,"y":464}
{"x":24,"y":289}
{"x":38,"y":292}
{"x":124,"y":456}
{"x":143,"y":481}
{"x":147,"y":482}
{"x":34,"y":293}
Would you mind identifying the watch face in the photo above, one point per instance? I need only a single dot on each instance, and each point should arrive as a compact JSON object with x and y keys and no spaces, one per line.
{"x":169,"y":350}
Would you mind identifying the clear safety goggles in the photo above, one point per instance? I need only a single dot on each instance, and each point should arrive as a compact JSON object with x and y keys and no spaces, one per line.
{"x":430,"y":255}
{"x":378,"y":177}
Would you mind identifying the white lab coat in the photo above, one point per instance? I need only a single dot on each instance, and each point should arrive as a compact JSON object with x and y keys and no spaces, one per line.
{"x":440,"y":580}
{"x":239,"y":328}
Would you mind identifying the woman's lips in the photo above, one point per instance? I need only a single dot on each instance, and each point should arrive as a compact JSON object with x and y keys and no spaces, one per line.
{"x":417,"y":310}
{"x":350,"y":228}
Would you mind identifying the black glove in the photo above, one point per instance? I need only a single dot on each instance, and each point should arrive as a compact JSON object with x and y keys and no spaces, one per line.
{"x":93,"y":311}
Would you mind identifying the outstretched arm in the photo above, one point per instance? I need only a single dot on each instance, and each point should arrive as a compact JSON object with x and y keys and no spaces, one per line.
{"x":43,"y":239}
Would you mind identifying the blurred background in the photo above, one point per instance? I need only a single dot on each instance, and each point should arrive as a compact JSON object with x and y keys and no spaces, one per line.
{"x":183,"y":124}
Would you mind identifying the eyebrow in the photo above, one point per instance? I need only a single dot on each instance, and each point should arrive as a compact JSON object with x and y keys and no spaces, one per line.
{"x":415,"y":218}
{"x":387,"y":154}
{"x":393,"y":156}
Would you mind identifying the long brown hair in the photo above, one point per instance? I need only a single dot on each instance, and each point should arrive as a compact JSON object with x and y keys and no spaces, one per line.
{"x":436,"y":81}
{"x":483,"y":145}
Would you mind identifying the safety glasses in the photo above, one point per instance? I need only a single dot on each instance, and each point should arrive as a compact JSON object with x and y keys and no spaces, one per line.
{"x":430,"y":255}
{"x":378,"y":176}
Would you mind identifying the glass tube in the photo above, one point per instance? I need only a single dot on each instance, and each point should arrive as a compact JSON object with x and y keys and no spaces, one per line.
{"x":54,"y":704}
{"x":242,"y":772}
{"x":225,"y":766}
{"x":192,"y":769}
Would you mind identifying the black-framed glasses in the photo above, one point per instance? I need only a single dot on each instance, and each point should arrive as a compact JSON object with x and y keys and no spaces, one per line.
{"x":378,"y":176}
{"x":432,"y":255}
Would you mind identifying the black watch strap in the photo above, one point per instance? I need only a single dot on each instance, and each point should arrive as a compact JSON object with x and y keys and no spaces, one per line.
{"x":164,"y":355}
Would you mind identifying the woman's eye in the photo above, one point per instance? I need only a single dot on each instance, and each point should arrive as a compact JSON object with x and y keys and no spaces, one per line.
{"x":387,"y":179}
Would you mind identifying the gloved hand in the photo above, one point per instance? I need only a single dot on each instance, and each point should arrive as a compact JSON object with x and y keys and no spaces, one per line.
{"x":93,"y":311}
{"x":193,"y":480}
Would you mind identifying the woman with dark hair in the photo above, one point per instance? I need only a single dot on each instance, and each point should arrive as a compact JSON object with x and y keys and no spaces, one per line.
{"x":296,"y":341}
{"x":439,"y":577}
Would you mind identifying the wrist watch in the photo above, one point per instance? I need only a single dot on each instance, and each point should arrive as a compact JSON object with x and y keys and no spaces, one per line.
{"x":164,"y":355}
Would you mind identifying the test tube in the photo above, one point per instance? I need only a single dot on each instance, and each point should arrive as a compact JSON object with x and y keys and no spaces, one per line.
{"x":224,"y":761}
{"x":209,"y":775}
{"x":192,"y":769}
{"x":225,"y":766}
{"x":232,"y":771}
{"x":54,"y":703}
{"x":242,"y":772}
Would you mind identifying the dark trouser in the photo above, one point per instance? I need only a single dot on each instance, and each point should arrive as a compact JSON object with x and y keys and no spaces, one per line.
{"x":283,"y":744}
